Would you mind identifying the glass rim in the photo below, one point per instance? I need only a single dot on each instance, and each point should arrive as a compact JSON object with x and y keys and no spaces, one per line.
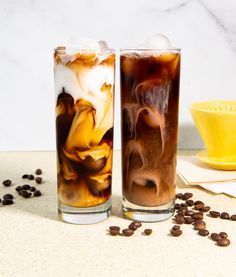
{"x":133,"y":49}
{"x":76,"y":49}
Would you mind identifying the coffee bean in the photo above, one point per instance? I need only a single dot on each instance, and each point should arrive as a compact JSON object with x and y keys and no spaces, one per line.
{"x":37,"y":193}
{"x":22,"y":192}
{"x":8,"y":196}
{"x":176,"y":227}
{"x":215,"y":236}
{"x":138,"y":224}
{"x":7,"y":183}
{"x":188,"y":219}
{"x":177,"y":206}
{"x":198,"y":202}
{"x":224,"y":215}
{"x":183,"y":211}
{"x":25,"y":176}
{"x":191,"y":212}
{"x":187,"y":195}
{"x":114,"y":232}
{"x":117,"y":228}
{"x":176,"y":233}
{"x":132,"y":226}
{"x":223,"y":242}
{"x":199,"y":206}
{"x":31,"y":177}
{"x":18,"y":188}
{"x":148,"y":232}
{"x":199,"y":226}
{"x":7,"y":201}
{"x":214,"y":214}
{"x":179,"y":219}
{"x":32,"y":189}
{"x":179,"y":195}
{"x":0,"y":200}
{"x":203,"y":232}
{"x":26,"y":187}
{"x":205,"y":209}
{"x":197,"y":215}
{"x":183,"y":205}
{"x":127,"y":232}
{"x":223,"y":235}
{"x":38,"y":171}
{"x":38,"y":180}
{"x":199,"y":221}
{"x":233,"y":217}
{"x":190,"y":202}
{"x":25,"y":193}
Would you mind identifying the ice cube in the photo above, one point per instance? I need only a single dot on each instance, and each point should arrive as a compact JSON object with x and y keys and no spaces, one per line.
{"x":83,"y":43}
{"x":103,"y":44}
{"x":157,"y":41}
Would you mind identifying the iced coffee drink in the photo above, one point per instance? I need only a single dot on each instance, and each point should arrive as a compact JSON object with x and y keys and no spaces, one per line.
{"x":149,"y":104}
{"x":84,"y":87}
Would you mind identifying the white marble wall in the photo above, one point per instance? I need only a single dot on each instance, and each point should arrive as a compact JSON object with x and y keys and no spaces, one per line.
{"x":205,"y":30}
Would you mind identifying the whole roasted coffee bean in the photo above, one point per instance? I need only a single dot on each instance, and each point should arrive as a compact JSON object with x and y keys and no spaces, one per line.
{"x":179,"y":195}
{"x":127,"y":232}
{"x":147,"y":232}
{"x":23,"y":192}
{"x":190,"y":202}
{"x":214,"y":214}
{"x":32,"y":189}
{"x":31,"y":177}
{"x":190,"y":213}
{"x":199,"y":221}
{"x":27,"y":195}
{"x":199,"y":226}
{"x":38,"y":171}
{"x":197,"y":215}
{"x":177,"y":206}
{"x":0,"y":200}
{"x":223,"y":235}
{"x":203,"y":232}
{"x":26,"y":187}
{"x":25,"y":176}
{"x":7,"y":202}
{"x":7,"y":183}
{"x":117,"y":228}
{"x":183,"y":211}
{"x":132,"y":226}
{"x":215,"y":236}
{"x":37,"y":193}
{"x":187,"y":195}
{"x":8,"y":196}
{"x":114,"y":232}
{"x":205,"y":209}
{"x":179,"y":219}
{"x":199,"y":206}
{"x":38,"y":180}
{"x":176,"y":227}
{"x":138,"y":224}
{"x":176,"y":233}
{"x":233,"y":217}
{"x":223,"y":242}
{"x":183,"y":205}
{"x":188,"y":220}
{"x":198,"y":202}
{"x":18,"y":188}
{"x":224,"y":215}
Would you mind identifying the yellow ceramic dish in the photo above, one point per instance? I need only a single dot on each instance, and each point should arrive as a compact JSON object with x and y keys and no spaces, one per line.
{"x":216,"y":123}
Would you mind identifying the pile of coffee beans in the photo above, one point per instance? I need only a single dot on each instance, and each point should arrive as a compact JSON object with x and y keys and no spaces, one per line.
{"x":127,"y":232}
{"x":223,"y":215}
{"x":26,"y":190}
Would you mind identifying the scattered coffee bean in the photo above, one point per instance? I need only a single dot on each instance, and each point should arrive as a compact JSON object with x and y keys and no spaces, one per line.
{"x":176,"y":227}
{"x":187,"y":195}
{"x":127,"y":232}
{"x":25,"y":176}
{"x":38,"y":171}
{"x":179,"y":219}
{"x":31,"y":177}
{"x":117,"y":228}
{"x":233,"y":217}
{"x":32,"y":189}
{"x":205,"y":209}
{"x":214,"y":214}
{"x":37,"y":193}
{"x":199,"y":226}
{"x":223,"y":235}
{"x":38,"y":180}
{"x":197,"y":215}
{"x":176,"y":233}
{"x":8,"y":196}
{"x":215,"y":236}
{"x":26,"y":187}
{"x":188,"y":220}
{"x":25,"y":193}
{"x":138,"y":224}
{"x":183,"y":211}
{"x":114,"y":232}
{"x":179,"y":195}
{"x":183,"y":205}
{"x":223,"y":242}
{"x":7,"y":183}
{"x":7,"y":201}
{"x":203,"y":232}
{"x":18,"y":188}
{"x":132,"y":226}
{"x":198,"y":202}
{"x":199,"y":206}
{"x":199,"y":221}
{"x":224,"y":215}
{"x":190,"y":202}
{"x":148,"y":232}
{"x":177,"y":206}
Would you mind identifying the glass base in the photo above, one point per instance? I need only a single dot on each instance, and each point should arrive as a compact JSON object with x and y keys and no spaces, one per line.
{"x":148,"y":214}
{"x":88,"y":215}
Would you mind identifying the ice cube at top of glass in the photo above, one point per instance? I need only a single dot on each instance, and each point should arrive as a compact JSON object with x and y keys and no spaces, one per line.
{"x":149,"y":107}
{"x":84,"y":88}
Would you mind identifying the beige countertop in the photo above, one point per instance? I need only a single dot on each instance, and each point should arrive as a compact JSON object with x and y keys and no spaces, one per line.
{"x":33,"y":242}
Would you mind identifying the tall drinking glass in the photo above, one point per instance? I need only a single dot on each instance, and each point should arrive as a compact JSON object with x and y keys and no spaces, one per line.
{"x":84,"y":88}
{"x":149,"y":106}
